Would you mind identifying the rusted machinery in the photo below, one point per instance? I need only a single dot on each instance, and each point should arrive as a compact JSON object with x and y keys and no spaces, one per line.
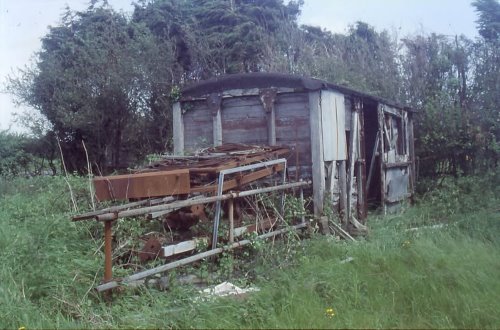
{"x":177,"y":189}
{"x":178,"y":175}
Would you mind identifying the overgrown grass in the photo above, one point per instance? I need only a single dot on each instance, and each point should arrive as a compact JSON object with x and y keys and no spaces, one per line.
{"x":433,"y":277}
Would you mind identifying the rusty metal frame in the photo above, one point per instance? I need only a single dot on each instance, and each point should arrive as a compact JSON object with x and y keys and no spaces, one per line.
{"x":239,"y":169}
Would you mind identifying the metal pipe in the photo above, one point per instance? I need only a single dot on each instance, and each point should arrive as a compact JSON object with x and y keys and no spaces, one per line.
{"x":145,"y":210}
{"x":221,"y":185}
{"x":188,"y":260}
{"x":108,"y":256}
{"x":231,"y":220}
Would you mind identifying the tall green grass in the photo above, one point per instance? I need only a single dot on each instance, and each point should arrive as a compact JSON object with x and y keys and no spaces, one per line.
{"x":445,"y":277}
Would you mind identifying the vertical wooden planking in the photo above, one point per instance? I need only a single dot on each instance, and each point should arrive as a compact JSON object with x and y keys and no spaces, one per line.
{"x":178,"y":129}
{"x":318,"y":168}
{"x":333,"y":122}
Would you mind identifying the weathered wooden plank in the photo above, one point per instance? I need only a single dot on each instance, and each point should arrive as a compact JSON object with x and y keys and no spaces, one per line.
{"x":142,"y":185}
{"x":392,"y":111}
{"x":397,"y":164}
{"x":182,"y":247}
{"x":248,"y":136}
{"x":178,"y":129}
{"x":318,"y":169}
{"x":241,"y":102}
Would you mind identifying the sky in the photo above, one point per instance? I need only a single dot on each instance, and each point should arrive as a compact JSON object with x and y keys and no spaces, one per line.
{"x":24,"y":22}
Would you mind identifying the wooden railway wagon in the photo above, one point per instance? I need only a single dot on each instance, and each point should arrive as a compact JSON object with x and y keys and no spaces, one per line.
{"x":357,"y":148}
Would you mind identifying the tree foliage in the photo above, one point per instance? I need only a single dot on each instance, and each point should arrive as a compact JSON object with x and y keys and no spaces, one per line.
{"x":96,"y":81}
{"x":106,"y":79}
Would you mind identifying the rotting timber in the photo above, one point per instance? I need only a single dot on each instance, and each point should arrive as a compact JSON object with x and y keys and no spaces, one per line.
{"x":177,"y":189}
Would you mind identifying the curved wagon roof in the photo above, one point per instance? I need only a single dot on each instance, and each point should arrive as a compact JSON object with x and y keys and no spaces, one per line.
{"x":262,"y":80}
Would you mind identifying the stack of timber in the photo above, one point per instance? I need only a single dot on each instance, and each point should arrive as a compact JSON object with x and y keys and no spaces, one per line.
{"x":185,"y":175}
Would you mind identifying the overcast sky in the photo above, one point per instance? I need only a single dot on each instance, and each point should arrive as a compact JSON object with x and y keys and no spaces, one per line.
{"x":24,"y":22}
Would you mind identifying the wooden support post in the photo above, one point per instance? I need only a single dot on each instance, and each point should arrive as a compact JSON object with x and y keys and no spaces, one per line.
{"x":217,"y":128}
{"x":372,"y":162}
{"x":318,"y":168}
{"x":343,"y":190}
{"x":411,"y":150}
{"x":302,"y":209}
{"x":362,"y":187}
{"x":267,"y":97}
{"x":271,"y":127}
{"x":178,"y":129}
{"x":382,"y":133}
{"x":353,"y":156}
{"x":108,"y":251}
{"x":214,"y":103}
{"x":231,"y":220}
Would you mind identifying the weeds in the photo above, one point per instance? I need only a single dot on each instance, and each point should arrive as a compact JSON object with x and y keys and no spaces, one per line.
{"x":426,"y":277}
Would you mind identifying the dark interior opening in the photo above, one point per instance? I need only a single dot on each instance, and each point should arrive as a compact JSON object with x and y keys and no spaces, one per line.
{"x":371,"y":128}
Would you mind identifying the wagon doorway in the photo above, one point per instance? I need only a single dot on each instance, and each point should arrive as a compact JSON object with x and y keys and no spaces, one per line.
{"x":372,"y":144}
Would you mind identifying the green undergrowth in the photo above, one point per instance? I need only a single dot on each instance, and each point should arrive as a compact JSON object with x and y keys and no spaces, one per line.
{"x":434,"y":265}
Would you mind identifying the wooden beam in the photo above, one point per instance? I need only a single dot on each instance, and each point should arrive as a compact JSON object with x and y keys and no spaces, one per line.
{"x":121,"y":207}
{"x":372,"y":162}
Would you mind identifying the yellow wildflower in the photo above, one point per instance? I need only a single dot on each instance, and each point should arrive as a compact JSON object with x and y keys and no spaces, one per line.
{"x":330,"y":313}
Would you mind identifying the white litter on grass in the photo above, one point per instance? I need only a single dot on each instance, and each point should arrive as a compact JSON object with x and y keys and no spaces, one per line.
{"x":223,"y":290}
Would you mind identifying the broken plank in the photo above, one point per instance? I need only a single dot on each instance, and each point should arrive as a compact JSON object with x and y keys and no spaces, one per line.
{"x":185,"y":246}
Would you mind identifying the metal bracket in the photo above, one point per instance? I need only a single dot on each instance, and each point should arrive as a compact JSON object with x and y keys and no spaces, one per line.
{"x":237,"y":170}
{"x":267,"y":97}
{"x":214,"y":102}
